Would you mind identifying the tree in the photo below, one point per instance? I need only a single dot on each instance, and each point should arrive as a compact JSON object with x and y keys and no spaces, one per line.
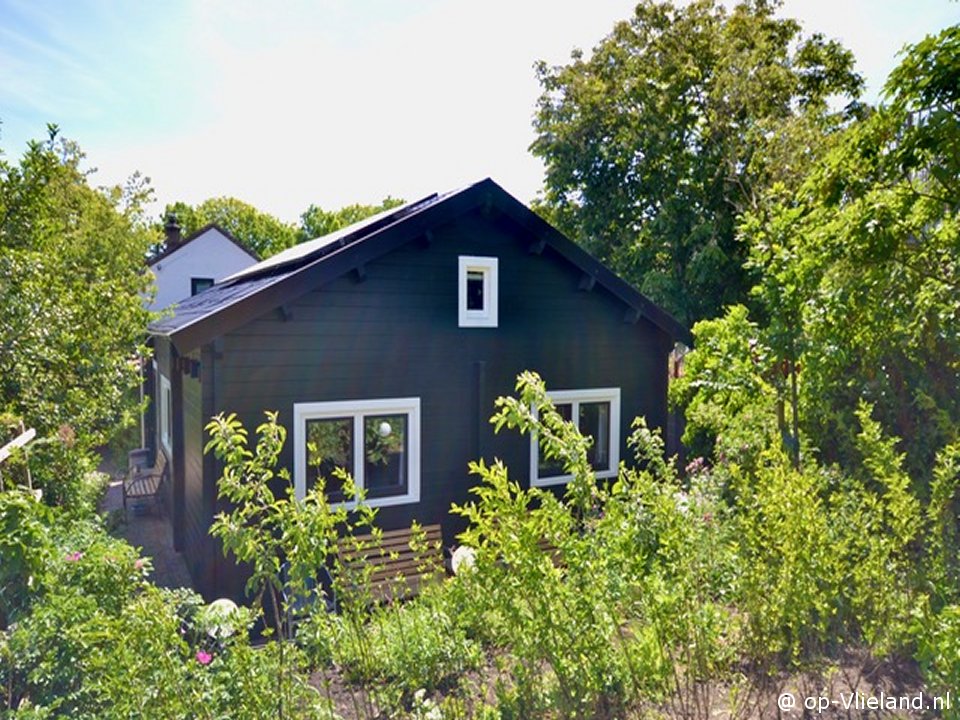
{"x":71,"y":272}
{"x":259,"y":232}
{"x":859,"y":272}
{"x":674,"y":125}
{"x":316,"y":222}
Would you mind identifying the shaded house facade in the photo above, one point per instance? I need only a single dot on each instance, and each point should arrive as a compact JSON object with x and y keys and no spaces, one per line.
{"x":384,"y":346}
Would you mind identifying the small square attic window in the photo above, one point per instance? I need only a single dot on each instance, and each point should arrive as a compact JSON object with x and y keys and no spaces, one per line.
{"x":477,"y":291}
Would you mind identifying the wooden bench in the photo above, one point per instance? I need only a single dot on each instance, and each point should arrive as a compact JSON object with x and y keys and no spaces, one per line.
{"x":144,"y":482}
{"x":548,"y":548}
{"x":396,"y":571}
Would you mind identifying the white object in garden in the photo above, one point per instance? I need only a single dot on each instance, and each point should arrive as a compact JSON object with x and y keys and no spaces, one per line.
{"x":463,"y":557}
{"x":219,"y":616}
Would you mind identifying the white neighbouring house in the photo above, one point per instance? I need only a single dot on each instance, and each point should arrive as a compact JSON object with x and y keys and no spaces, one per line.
{"x":190,"y":265}
{"x":185,"y":267}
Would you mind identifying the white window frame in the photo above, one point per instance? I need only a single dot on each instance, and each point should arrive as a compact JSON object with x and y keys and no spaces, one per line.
{"x":166,"y":417}
{"x":575,"y":397}
{"x":488,"y":316}
{"x":357,"y":410}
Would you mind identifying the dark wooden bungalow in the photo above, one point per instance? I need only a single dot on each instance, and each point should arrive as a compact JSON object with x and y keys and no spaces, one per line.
{"x":385,"y":345}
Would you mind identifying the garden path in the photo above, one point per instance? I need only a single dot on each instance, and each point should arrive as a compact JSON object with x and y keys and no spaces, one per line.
{"x":149,"y":529}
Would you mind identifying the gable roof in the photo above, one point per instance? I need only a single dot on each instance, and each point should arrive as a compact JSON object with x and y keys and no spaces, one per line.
{"x":290,"y":274}
{"x":193,"y":236}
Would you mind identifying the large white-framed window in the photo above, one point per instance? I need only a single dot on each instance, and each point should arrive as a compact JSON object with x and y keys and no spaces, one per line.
{"x":477,"y":291}
{"x":165,"y":416}
{"x":596,"y":413}
{"x":376,"y":441}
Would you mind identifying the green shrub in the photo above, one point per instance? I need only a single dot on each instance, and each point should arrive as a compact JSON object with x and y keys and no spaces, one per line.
{"x":417,"y":644}
{"x":57,"y":465}
{"x":608,"y":595}
{"x":942,"y":547}
{"x":938,"y":651}
{"x":791,"y":568}
{"x":25,"y":547}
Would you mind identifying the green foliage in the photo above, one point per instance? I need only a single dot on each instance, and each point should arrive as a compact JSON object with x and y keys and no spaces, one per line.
{"x":70,"y":256}
{"x":417,"y":645}
{"x":646,"y":591}
{"x":24,"y":523}
{"x":938,"y":650}
{"x":942,"y":545}
{"x":284,"y":540}
{"x":858,"y":271}
{"x":673,"y":126}
{"x":262,"y":233}
{"x":78,"y":660}
{"x":727,"y":391}
{"x":827,"y":559}
{"x":316,"y":222}
{"x":54,"y":467}
{"x":614,"y":593}
{"x":792,"y":567}
{"x":259,"y":232}
{"x":93,"y":639}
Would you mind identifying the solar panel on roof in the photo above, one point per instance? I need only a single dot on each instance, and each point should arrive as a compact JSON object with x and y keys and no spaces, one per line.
{"x":318,"y":247}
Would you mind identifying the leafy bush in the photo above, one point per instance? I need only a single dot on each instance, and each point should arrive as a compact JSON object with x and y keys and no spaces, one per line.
{"x":791,"y":568}
{"x":418,"y":644}
{"x":615,"y":592}
{"x":25,"y":548}
{"x":938,"y":650}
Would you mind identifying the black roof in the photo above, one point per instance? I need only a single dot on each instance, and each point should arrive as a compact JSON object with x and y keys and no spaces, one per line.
{"x":286,"y":276}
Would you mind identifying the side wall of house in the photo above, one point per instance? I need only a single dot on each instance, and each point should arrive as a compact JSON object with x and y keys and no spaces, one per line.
{"x":197,"y":509}
{"x":187,"y":496}
{"x":391,"y":331}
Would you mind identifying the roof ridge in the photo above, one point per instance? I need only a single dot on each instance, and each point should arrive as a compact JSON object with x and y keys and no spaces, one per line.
{"x":309,"y":251}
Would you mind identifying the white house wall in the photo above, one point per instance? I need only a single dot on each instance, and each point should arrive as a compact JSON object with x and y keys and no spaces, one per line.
{"x":210,"y":255}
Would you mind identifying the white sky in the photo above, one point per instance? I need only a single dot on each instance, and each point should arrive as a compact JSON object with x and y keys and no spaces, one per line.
{"x":332,"y":102}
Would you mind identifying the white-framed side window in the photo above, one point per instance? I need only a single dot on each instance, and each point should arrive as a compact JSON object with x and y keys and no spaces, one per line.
{"x":165,"y":416}
{"x":596,"y":413}
{"x":477,"y":291}
{"x":376,"y":441}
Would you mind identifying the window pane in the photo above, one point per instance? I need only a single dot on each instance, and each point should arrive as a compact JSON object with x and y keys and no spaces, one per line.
{"x":553,"y":468}
{"x":198,"y":285}
{"x":474,"y":290}
{"x":166,"y":418}
{"x":329,"y":446}
{"x":385,"y":454}
{"x":595,"y":422}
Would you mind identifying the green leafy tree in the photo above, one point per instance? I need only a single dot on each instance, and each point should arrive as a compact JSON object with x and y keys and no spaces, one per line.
{"x":260,"y":232}
{"x":316,"y":222}
{"x":656,"y":142}
{"x":71,"y":273}
{"x":858,"y":271}
{"x":728,"y":390}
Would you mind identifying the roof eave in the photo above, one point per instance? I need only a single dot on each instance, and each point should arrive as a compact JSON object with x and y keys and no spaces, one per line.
{"x":590,"y":265}
{"x":318,"y":272}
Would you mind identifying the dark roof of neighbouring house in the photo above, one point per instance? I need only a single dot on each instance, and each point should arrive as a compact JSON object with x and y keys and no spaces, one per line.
{"x":278,"y":280}
{"x":167,"y":251}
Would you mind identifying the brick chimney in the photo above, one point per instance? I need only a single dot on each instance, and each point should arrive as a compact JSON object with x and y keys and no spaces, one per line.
{"x":172,"y":230}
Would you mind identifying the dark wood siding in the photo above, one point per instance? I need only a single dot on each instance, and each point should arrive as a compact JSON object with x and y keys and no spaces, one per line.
{"x":197,"y":514}
{"x":395,"y":334}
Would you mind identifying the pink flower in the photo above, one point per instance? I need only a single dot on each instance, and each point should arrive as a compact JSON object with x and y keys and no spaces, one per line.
{"x":74,"y":556}
{"x":204,"y":658}
{"x":138,"y":564}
